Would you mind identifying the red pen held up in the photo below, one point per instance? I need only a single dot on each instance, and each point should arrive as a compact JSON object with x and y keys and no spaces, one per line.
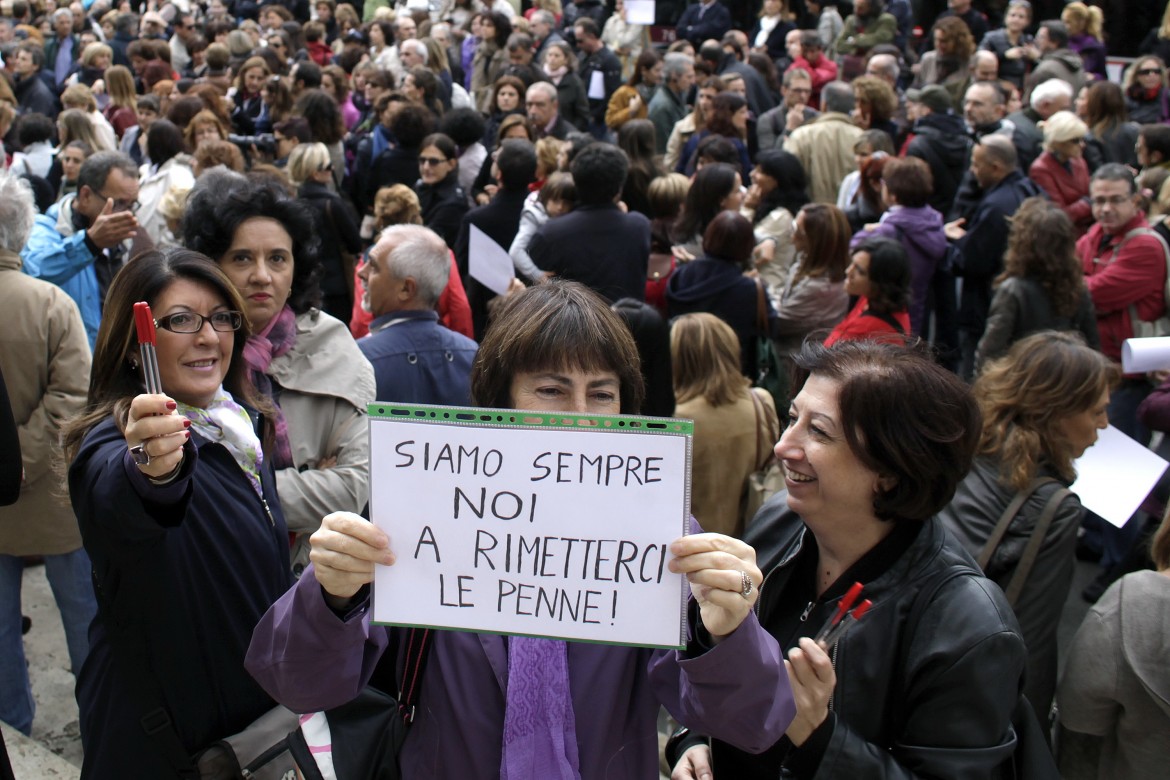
{"x":842,"y":608}
{"x":847,"y":623}
{"x":144,"y":322}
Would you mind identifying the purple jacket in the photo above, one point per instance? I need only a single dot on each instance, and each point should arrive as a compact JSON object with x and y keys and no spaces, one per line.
{"x":920,"y":231}
{"x":308,"y":659}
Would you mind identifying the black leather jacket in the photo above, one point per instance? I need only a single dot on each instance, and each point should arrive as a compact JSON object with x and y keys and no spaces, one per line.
{"x":935,"y":704}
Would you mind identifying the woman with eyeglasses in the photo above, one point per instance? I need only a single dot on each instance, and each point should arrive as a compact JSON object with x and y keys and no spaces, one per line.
{"x":176,"y":500}
{"x":1146,"y":95}
{"x":302,"y":359}
{"x":310,"y":170}
{"x":443,"y":201}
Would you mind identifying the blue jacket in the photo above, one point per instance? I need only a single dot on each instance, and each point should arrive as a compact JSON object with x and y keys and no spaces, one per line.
{"x":57,"y":253}
{"x":418,"y":361}
{"x":186,"y":570}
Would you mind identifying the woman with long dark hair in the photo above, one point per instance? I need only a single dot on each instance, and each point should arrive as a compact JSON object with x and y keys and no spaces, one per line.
{"x":636,"y":139}
{"x":879,"y":278}
{"x":715,"y":188}
{"x":442,"y":199}
{"x":728,"y":118}
{"x":560,"y":67}
{"x":179,"y":512}
{"x":1112,"y":136}
{"x":778,"y":191}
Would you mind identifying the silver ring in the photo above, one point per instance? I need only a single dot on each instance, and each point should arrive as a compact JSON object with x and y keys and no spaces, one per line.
{"x":747,"y":586}
{"x":139,"y":454}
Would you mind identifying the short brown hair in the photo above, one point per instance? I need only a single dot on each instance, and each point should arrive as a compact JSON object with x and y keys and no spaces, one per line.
{"x":557,"y":325}
{"x":905,"y":418}
{"x":879,"y":96}
{"x":909,"y":180}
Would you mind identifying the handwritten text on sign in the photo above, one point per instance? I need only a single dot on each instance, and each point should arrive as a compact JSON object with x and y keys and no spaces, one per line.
{"x":537,"y":531}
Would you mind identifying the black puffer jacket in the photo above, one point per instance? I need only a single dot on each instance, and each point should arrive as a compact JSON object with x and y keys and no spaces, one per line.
{"x":937,"y":703}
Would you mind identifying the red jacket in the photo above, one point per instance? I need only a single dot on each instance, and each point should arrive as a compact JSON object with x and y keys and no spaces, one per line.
{"x":1134,"y":277}
{"x":1068,"y":187}
{"x":824,"y":72}
{"x":859,"y":326}
{"x":320,"y":52}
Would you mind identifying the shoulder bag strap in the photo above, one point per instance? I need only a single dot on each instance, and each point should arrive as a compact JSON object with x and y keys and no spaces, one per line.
{"x":1032,"y":550}
{"x":1005,"y":520}
{"x":761,"y":309}
{"x":759,"y":428}
{"x":418,"y":647}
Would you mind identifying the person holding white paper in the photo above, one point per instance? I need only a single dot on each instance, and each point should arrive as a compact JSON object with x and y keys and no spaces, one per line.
{"x":1042,"y":404}
{"x":493,"y":706}
{"x":601,"y":72}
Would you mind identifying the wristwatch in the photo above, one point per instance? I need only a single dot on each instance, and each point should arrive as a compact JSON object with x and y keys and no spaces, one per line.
{"x":139,"y":454}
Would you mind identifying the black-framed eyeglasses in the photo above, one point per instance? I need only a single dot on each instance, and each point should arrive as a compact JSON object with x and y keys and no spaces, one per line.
{"x":190,"y":322}
{"x":432,"y":160}
{"x":1150,"y":72}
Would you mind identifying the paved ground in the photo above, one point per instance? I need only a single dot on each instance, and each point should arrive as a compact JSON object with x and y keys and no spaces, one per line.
{"x":55,"y":748}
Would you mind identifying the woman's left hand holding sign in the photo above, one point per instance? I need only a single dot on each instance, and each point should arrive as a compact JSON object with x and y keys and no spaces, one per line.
{"x":724,"y":578}
{"x":344,"y":551}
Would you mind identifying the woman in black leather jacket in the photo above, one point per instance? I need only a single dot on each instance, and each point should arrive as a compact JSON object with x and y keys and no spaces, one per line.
{"x":1042,"y":406}
{"x":926,"y":683}
{"x":442,"y":200}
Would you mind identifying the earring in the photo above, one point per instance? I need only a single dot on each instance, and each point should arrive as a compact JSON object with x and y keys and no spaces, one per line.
{"x":133,"y":363}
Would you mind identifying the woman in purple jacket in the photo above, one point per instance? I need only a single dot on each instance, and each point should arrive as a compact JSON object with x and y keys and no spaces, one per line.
{"x":593,"y":709}
{"x":906,"y":186}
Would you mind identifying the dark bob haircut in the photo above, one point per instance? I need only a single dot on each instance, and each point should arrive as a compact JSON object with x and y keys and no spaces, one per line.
{"x":210,"y":224}
{"x":889,"y":274}
{"x":904,"y":416}
{"x":729,"y":237}
{"x":556,"y":326}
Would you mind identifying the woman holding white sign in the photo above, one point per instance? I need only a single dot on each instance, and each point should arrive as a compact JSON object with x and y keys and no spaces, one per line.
{"x":494,"y":706}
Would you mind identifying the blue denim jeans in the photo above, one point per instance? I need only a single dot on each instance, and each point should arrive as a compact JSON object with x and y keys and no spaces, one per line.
{"x":69,"y":578}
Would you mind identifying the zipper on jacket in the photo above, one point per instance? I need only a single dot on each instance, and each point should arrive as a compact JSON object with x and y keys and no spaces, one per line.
{"x":268,"y":511}
{"x":833,"y":660}
{"x":807,"y":610}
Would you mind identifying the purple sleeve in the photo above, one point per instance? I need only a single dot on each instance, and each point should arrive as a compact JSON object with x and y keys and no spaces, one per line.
{"x":737,"y":691}
{"x":306,"y":657}
{"x":1154,"y":411}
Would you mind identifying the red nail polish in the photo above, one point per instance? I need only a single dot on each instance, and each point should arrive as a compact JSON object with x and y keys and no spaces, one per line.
{"x":186,"y":423}
{"x":187,"y":434}
{"x":172,"y":405}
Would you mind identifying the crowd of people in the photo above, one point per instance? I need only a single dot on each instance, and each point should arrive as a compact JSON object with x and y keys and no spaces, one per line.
{"x":888,"y":253}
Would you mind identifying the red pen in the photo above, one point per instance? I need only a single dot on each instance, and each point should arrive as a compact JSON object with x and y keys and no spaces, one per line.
{"x":842,"y":608}
{"x":144,"y":322}
{"x":847,"y":623}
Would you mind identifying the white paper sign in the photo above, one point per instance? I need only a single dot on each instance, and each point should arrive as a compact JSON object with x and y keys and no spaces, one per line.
{"x":540,"y":531}
{"x":488,"y":263}
{"x":1115,"y":475}
{"x":1141,"y":355}
{"x":597,"y":85}
{"x":639,"y":11}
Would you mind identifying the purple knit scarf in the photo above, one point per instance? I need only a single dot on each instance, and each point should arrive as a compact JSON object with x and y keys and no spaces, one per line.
{"x":540,"y":730}
{"x":275,"y":340}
